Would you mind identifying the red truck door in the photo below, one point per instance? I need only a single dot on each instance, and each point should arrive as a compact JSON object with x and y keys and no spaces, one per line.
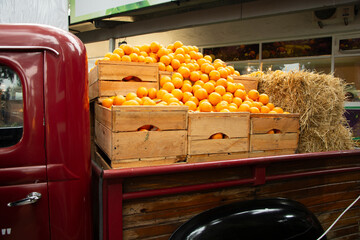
{"x":24,"y":208}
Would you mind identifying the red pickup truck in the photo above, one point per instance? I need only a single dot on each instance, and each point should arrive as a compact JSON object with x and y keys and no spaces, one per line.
{"x":51,"y":189}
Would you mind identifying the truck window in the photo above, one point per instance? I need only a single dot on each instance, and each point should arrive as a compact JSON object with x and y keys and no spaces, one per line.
{"x":11,"y":107}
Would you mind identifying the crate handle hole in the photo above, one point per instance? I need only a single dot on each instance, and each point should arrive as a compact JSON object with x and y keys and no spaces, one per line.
{"x":274,"y":131}
{"x":219,"y":135}
{"x":148,"y":128}
{"x":131,"y":79}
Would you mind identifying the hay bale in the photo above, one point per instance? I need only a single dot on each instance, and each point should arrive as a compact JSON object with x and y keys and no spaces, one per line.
{"x":319,"y":98}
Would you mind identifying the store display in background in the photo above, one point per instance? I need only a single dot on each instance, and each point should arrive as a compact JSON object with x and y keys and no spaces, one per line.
{"x":349,"y":44}
{"x":234,"y":53}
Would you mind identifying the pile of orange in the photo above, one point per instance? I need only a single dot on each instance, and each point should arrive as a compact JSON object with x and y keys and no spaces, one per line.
{"x":197,"y":81}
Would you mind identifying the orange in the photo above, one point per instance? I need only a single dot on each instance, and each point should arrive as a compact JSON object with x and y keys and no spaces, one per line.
{"x":223,"y":72}
{"x":195,"y":76}
{"x":167,"y":97}
{"x":184,"y":71}
{"x":231,"y":69}
{"x":144,"y":54}
{"x":186,"y":88}
{"x":161,"y":52}
{"x":225,"y":110}
{"x":162,"y":66}
{"x":221,"y":105}
{"x":217,"y":136}
{"x":244,"y":108}
{"x":168,"y":86}
{"x":240,"y":86}
{"x":131,"y":102}
{"x":222,"y":82}
{"x":115,"y":57}
{"x":165,"y":59}
{"x":179,"y":57}
{"x":175,"y":63}
{"x":209,"y":68}
{"x":203,"y":66}
{"x":254,"y":110}
{"x":273,"y":112}
{"x":154,"y":46}
{"x":134,"y":57}
{"x":278,"y":110}
{"x":192,"y":67}
{"x":149,"y":102}
{"x":177,"y":44}
{"x":208,"y":57}
{"x":169,"y":68}
{"x":152,"y":93}
{"x":220,"y":89}
{"x":218,"y":63}
{"x":161,"y":93}
{"x":228,"y":97}
{"x":131,"y":96}
{"x":141,"y":58}
{"x":142,"y":92}
{"x":145,"y":48}
{"x":215,"y":98}
{"x":193,"y":54}
{"x":209,"y":87}
{"x":205,"y":107}
{"x":186,"y":81}
{"x":107,"y":55}
{"x":186,"y":96}
{"x":192,"y":106}
{"x":178,"y":82}
{"x":237,"y":101}
{"x":194,"y":99}
{"x":164,"y":79}
{"x":177,"y":93}
{"x":199,"y":82}
{"x":264,"y":98}
{"x":119,"y":51}
{"x":264,"y":109}
{"x":201,"y":94}
{"x":214,"y":75}
{"x":231,"y":87}
{"x":128,"y":49}
{"x":107,"y":102}
{"x":253,"y":94}
{"x":230,"y":79}
{"x":136,"y":50}
{"x":233,"y":108}
{"x":236,"y":73}
{"x":172,"y":100}
{"x":148,"y":60}
{"x":204,"y":77}
{"x":170,"y":47}
{"x":196,"y":87}
{"x":270,"y":106}
{"x":139,"y":100}
{"x":257,"y":104}
{"x":126,"y":58}
{"x":119,"y":100}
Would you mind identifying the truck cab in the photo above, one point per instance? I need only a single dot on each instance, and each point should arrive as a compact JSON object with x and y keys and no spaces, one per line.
{"x":44,"y":134}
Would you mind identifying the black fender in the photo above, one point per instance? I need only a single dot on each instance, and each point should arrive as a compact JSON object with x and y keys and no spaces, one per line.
{"x":276,"y":218}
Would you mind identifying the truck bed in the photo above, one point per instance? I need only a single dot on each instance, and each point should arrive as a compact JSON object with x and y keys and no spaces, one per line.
{"x":152,"y":202}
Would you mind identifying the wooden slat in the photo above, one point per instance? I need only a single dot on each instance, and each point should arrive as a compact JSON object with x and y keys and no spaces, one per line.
{"x":248,"y":82}
{"x":216,"y":157}
{"x":231,"y":145}
{"x":264,"y":153}
{"x":113,"y":88}
{"x":103,"y":138}
{"x":273,"y":141}
{"x":147,"y":162}
{"x":286,"y":123}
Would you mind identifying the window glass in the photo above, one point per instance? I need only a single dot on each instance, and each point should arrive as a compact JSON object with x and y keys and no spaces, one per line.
{"x":322,"y":65}
{"x":349,"y":44}
{"x":11,"y":107}
{"x":234,"y":53}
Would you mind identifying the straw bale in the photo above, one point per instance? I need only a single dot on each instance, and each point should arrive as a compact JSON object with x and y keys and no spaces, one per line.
{"x":319,"y":98}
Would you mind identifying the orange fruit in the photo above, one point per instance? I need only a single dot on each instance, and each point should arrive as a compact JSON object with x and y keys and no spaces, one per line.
{"x":161,"y":93}
{"x":172,"y":100}
{"x":195,"y":76}
{"x":145,"y":48}
{"x":179,"y":56}
{"x":134,"y":57}
{"x":164,"y":79}
{"x":177,"y":44}
{"x":175,"y":63}
{"x":168,"y":86}
{"x":108,"y":54}
{"x":165,"y":59}
{"x":192,"y":105}
{"x":196,"y":87}
{"x":142,"y":92}
{"x":253,"y":94}
{"x":233,"y":108}
{"x":217,"y":136}
{"x":149,"y":102}
{"x":222,"y":82}
{"x":209,"y":68}
{"x":115,"y":57}
{"x":186,"y":88}
{"x":119,"y":51}
{"x":204,"y":65}
{"x":128,"y":49}
{"x":264,"y":109}
{"x":169,"y":68}
{"x":148,"y":60}
{"x":223,"y":72}
{"x":244,"y":108}
{"x":119,"y":100}
{"x":208,"y":57}
{"x":152,"y":93}
{"x":254,"y":110}
{"x":201,"y":94}
{"x":131,"y":102}
{"x":220,"y":89}
{"x":215,"y":98}
{"x":228,"y":97}
{"x":205,"y":107}
{"x":162,"y":52}
{"x":178,"y":82}
{"x":107,"y":102}
{"x":264,"y":98}
{"x":162,"y":66}
{"x":187,"y":96}
{"x":278,"y":110}
{"x":144,"y":54}
{"x":257,"y":104}
{"x":141,"y":58}
{"x":240,"y":86}
{"x":139,"y":100}
{"x":204,"y":77}
{"x":231,"y":69}
{"x":225,"y":110}
{"x":214,"y":75}
{"x":194,"y":99}
{"x":221,"y":105}
{"x":230,"y":79}
{"x":237,"y":101}
{"x":231,"y":87}
{"x":177,"y":93}
{"x":126,"y":58}
{"x":270,"y":106}
{"x":154,"y":46}
{"x":209,"y":87}
{"x":167,"y":97}
{"x":199,"y":82}
{"x":184,"y":71}
{"x":131,"y":96}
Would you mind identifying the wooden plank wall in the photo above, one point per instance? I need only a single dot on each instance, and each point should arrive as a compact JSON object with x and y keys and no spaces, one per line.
{"x":325,"y":195}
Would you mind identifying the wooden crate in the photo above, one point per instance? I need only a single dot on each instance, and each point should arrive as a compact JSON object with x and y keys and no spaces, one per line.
{"x":203,"y":125}
{"x":110,"y":78}
{"x":249,"y":82}
{"x":117,"y":136}
{"x":283,"y":141}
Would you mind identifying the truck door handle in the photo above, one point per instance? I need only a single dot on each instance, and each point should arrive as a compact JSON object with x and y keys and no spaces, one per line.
{"x":30,"y":199}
